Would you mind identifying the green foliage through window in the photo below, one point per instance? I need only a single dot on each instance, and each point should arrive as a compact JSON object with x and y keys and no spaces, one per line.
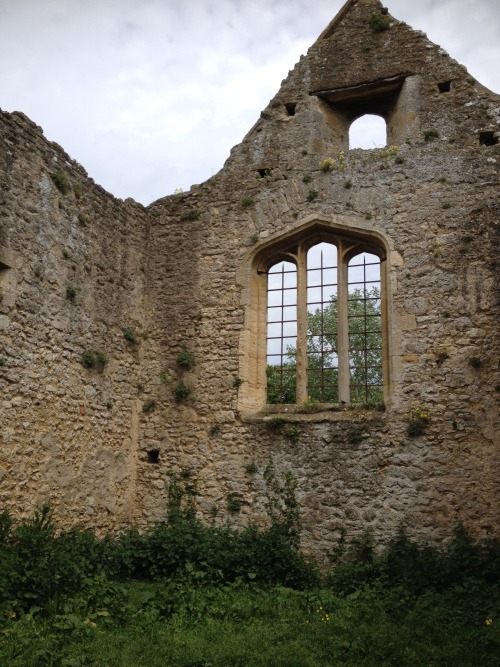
{"x":322,"y":350}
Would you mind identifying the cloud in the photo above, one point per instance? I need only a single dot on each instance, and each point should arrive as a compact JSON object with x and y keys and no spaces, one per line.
{"x":150,"y":95}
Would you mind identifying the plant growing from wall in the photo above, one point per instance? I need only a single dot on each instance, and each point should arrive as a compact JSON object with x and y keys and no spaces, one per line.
{"x":475,"y":363}
{"x":77,"y":190}
{"x":327,"y":165}
{"x":181,"y":499}
{"x":148,"y":406}
{"x":61,"y":182}
{"x":430,"y":135}
{"x":129,"y":335}
{"x":418,"y":420}
{"x":237,"y":382}
{"x":181,"y":391}
{"x":247,"y":202}
{"x":379,"y":22}
{"x":185,"y":359}
{"x":306,"y":178}
{"x":275,"y":423}
{"x":312,"y":195}
{"x":71,"y":293}
{"x":282,"y":504}
{"x":234,"y":502}
{"x":94,"y":359}
{"x":354,"y":435}
{"x":214,"y":429}
{"x":291,"y":433}
{"x":193,"y":214}
{"x":251,"y":468}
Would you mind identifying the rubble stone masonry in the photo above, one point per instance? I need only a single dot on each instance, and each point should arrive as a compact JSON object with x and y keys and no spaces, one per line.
{"x":131,"y":287}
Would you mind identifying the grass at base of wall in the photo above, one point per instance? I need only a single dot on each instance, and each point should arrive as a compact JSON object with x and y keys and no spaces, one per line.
{"x":193,"y":595}
{"x":186,"y":624}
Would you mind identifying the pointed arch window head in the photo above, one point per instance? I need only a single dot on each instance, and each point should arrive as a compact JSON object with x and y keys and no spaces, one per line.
{"x":324,"y":324}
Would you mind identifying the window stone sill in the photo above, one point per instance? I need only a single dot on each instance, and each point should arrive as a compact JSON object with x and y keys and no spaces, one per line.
{"x":320,"y":413}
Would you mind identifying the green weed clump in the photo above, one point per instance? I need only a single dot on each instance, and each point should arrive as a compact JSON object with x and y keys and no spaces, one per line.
{"x":430,"y":135}
{"x":416,"y":567}
{"x":185,"y":594}
{"x":94,"y":359}
{"x":379,"y":22}
{"x":71,"y":293}
{"x":185,"y":359}
{"x":130,"y":336}
{"x":234,"y":502}
{"x":475,"y":362}
{"x":418,"y":421}
{"x":181,"y":391}
{"x":61,"y":182}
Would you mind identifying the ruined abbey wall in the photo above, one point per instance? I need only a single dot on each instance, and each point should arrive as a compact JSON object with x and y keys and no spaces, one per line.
{"x":183,"y":274}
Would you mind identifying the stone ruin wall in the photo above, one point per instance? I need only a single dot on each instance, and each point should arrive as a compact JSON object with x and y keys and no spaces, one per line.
{"x":68,"y":434}
{"x":179,"y":272}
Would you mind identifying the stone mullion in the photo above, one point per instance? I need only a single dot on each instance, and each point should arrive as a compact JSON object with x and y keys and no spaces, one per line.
{"x":301,"y":325}
{"x":343,"y":326}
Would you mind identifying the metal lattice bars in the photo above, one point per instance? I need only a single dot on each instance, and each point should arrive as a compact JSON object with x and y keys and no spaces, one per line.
{"x":324,"y":326}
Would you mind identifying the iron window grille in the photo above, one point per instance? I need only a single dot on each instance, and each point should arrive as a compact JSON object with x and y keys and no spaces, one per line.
{"x":324,"y":324}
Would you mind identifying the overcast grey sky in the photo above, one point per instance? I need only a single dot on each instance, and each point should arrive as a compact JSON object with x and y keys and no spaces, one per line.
{"x":150,"y":95}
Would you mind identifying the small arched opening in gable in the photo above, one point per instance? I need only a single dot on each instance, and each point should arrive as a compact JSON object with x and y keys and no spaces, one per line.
{"x":368,"y":131}
{"x":388,"y":109}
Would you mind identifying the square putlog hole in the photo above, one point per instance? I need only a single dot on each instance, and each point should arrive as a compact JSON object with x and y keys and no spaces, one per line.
{"x":154,"y":456}
{"x":488,"y":138}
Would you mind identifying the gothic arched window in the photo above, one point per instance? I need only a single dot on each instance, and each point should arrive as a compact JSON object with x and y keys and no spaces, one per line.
{"x":324,"y":323}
